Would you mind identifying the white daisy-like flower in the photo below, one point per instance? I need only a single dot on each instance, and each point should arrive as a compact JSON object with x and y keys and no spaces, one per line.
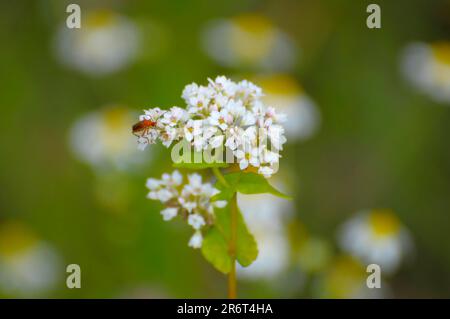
{"x":249,"y":40}
{"x":378,"y":237}
{"x":29,"y":267}
{"x":302,"y":117}
{"x":107,"y":42}
{"x":346,"y":278}
{"x":102,"y":139}
{"x":427,"y":67}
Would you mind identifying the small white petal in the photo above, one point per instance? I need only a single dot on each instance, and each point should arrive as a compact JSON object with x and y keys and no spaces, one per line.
{"x":196,"y":240}
{"x":169,"y":213}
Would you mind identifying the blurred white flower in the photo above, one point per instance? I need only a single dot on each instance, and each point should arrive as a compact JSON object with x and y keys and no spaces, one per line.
{"x":29,"y":267}
{"x":378,"y":237}
{"x":346,"y":278}
{"x":266,"y":217}
{"x":103,"y":139}
{"x":314,"y":255}
{"x":427,"y":67}
{"x":302,"y":115}
{"x":249,"y":40}
{"x":106,"y":42}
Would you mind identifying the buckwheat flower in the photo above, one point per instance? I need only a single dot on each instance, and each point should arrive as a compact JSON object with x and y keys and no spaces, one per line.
{"x":169,"y":213}
{"x":174,"y":179}
{"x":228,"y":114}
{"x":234,"y":137}
{"x":168,"y":135}
{"x":275,"y":133}
{"x":221,"y":119}
{"x":378,"y":237}
{"x":247,"y":156}
{"x":191,"y":200}
{"x":195,"y":185}
{"x":266,"y":171}
{"x":269,"y":156}
{"x":166,"y":188}
{"x":174,"y":116}
{"x":106,"y":43}
{"x":152,"y":184}
{"x":152,"y":114}
{"x":193,"y":128}
{"x":189,"y":91}
{"x":427,"y":67}
{"x":196,"y":221}
{"x":216,"y":141}
{"x":196,"y":240}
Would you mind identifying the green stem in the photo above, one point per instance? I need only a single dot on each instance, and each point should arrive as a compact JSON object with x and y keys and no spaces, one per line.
{"x":232,"y":285}
{"x":220,"y":177}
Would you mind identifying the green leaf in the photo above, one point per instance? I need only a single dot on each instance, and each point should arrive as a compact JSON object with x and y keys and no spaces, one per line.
{"x":251,"y":183}
{"x":216,"y":242}
{"x":215,"y":250}
{"x":225,"y":194}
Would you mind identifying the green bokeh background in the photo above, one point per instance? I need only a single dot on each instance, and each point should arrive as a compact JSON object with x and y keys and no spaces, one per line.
{"x":381,"y":143}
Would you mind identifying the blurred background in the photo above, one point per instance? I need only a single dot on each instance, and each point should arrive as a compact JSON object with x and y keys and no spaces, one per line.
{"x":367,"y":159}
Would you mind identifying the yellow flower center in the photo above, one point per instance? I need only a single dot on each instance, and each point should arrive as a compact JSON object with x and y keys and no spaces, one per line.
{"x":99,"y":19}
{"x":14,"y":239}
{"x":280,"y":84}
{"x":252,"y":38}
{"x":441,"y":52}
{"x":116,"y":118}
{"x":345,"y":277}
{"x":384,"y":222}
{"x":254,"y":23}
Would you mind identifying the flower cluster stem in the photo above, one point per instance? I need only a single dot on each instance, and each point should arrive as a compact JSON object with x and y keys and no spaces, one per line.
{"x":220,"y":177}
{"x":232,"y":285}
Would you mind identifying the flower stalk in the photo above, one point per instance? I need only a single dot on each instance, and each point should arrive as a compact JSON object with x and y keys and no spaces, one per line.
{"x":232,"y":286}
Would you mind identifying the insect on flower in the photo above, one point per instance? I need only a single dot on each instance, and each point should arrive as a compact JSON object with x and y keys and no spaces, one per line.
{"x":141,"y":128}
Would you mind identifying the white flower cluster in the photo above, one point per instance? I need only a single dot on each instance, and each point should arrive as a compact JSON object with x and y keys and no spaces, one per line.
{"x":192,"y":201}
{"x":223,"y":113}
